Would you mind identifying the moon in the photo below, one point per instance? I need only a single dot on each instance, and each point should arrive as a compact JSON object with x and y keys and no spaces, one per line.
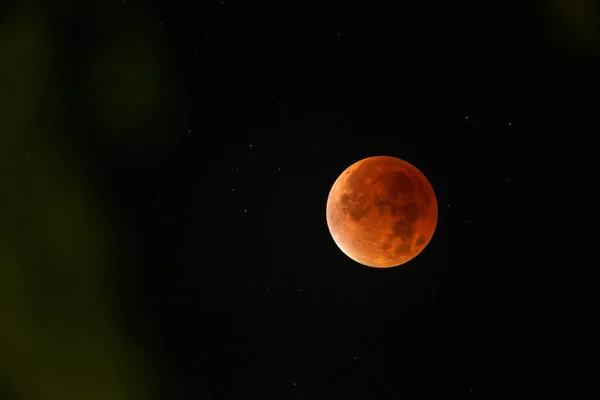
{"x":382,"y":212}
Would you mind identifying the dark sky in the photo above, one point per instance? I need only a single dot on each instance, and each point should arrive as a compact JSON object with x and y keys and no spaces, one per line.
{"x":233,"y":284}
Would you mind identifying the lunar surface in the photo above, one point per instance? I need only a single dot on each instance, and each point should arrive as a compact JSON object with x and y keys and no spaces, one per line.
{"x":382,"y":212}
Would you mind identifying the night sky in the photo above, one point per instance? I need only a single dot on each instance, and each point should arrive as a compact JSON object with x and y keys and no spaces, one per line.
{"x":229,"y":279}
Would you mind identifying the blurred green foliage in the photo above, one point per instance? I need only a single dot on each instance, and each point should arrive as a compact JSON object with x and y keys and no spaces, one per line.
{"x":60,"y":335}
{"x":574,"y":26}
{"x":124,"y":81}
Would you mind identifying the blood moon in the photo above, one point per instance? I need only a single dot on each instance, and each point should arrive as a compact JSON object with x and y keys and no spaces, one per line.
{"x":382,"y":212}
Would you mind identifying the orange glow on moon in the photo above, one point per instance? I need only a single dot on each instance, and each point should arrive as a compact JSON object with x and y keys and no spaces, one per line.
{"x":382,"y":212}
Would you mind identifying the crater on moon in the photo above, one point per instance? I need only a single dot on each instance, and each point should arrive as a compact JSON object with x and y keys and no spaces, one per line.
{"x":355,"y":206}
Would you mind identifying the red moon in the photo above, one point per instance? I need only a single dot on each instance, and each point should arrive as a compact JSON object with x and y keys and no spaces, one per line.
{"x":382,"y":212}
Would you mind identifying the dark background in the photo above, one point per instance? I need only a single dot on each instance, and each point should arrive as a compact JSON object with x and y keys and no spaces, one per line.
{"x":227,"y":279}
